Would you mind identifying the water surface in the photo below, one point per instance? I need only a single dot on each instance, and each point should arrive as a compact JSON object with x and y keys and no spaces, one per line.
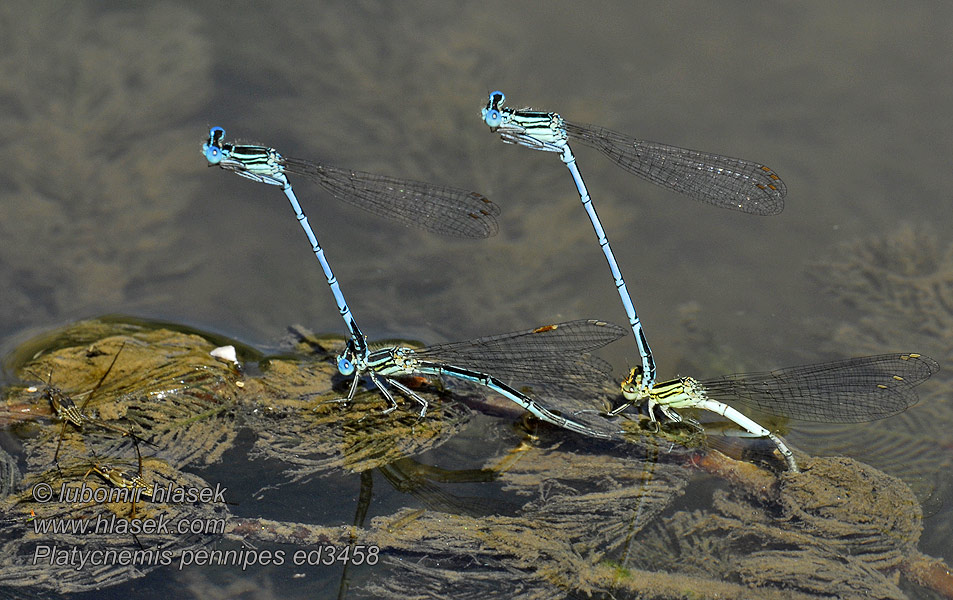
{"x":108,"y":206}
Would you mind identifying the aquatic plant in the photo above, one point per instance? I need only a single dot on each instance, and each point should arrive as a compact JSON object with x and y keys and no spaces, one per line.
{"x":900,"y":287}
{"x":566,"y":515}
{"x":808,"y":535}
{"x":186,"y":406}
{"x":299,"y":420}
{"x":20,"y":544}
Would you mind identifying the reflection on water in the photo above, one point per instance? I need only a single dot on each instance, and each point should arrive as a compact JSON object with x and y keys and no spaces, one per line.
{"x":108,"y":206}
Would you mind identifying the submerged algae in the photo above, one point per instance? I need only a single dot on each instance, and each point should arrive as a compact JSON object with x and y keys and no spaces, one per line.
{"x":896,"y":287}
{"x":569,"y":515}
{"x":91,"y":135}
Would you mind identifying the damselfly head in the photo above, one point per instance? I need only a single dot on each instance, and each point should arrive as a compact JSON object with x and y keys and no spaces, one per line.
{"x":492,"y":115}
{"x":212,"y":149}
{"x":632,"y":383}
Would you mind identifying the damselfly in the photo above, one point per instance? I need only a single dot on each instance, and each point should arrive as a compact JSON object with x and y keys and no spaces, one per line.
{"x":552,"y":359}
{"x":854,"y":390}
{"x":720,"y":180}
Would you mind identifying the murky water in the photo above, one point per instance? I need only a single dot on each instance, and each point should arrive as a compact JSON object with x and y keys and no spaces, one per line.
{"x":108,"y":206}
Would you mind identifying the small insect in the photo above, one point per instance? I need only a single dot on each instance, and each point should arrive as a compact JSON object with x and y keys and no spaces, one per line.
{"x":121,"y":479}
{"x":65,"y":409}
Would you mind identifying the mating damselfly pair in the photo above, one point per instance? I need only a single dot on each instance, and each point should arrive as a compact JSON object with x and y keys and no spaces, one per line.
{"x":554,"y":359}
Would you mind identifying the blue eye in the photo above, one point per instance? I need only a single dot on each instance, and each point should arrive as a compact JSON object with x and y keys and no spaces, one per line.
{"x":492,"y":115}
{"x":213,"y":154}
{"x":345,"y":367}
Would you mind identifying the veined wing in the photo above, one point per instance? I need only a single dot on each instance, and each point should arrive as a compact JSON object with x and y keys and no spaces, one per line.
{"x":552,"y":355}
{"x":854,"y":390}
{"x":444,"y":210}
{"x":732,"y":183}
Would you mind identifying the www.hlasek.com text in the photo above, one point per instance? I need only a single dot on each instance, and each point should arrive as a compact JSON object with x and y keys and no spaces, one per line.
{"x":113,"y":525}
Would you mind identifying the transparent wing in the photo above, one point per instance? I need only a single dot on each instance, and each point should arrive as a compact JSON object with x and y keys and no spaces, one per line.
{"x":444,"y":210}
{"x":732,"y":183}
{"x":552,"y":356}
{"x":854,"y":390}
